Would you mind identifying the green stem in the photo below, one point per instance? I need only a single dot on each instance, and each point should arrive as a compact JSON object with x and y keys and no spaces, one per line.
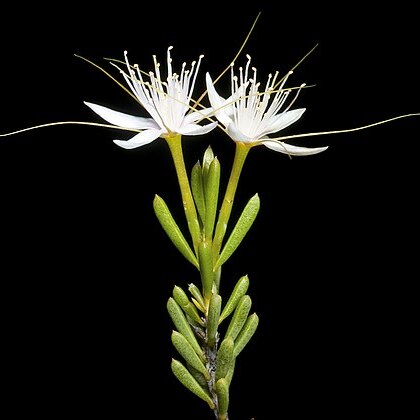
{"x":175,"y":147}
{"x":241,"y":153}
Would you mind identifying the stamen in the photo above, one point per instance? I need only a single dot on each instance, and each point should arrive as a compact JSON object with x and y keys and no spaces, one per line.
{"x":247,"y":66}
{"x":274,"y":79}
{"x":126,"y":61}
{"x":169,"y":60}
{"x":284,"y":80}
{"x":267,"y":86}
{"x":294,"y":99}
{"x":241,"y":76}
{"x":255,"y":73}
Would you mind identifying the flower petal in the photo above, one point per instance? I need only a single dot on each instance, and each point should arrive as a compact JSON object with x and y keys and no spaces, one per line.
{"x":283,"y":120}
{"x":145,"y":137}
{"x":121,"y":119}
{"x":237,"y":135}
{"x":198,"y":115}
{"x":217,"y":102}
{"x":291,"y":150}
{"x":195,"y":129}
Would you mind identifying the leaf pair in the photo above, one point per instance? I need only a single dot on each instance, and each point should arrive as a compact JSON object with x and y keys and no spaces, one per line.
{"x":194,"y":376}
{"x":242,"y":325}
{"x":205,"y":181}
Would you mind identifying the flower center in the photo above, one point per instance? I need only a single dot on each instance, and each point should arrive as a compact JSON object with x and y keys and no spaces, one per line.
{"x":167,"y":101}
{"x":253,"y":110}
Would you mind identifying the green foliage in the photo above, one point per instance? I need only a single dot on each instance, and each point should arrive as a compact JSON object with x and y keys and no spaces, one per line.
{"x":239,"y":290}
{"x":206,"y":269}
{"x":185,"y":377}
{"x":182,"y":325}
{"x":224,"y":358}
{"x":239,"y":317}
{"x":222,"y":391}
{"x":188,"y":353}
{"x":246,"y":333}
{"x":213,"y":319}
{"x":244,"y":223}
{"x":211,"y":191}
{"x":197,"y":298}
{"x":172,"y":230}
{"x":197,"y":189}
{"x":182,"y":299}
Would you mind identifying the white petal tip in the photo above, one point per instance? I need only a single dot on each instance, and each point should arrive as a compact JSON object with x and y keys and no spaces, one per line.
{"x":291,"y":150}
{"x":125,"y":144}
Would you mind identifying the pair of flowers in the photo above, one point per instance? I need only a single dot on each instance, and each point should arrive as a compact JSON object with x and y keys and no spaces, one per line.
{"x":247,"y":116}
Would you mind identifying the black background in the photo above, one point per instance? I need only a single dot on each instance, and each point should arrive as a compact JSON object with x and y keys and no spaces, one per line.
{"x":86,"y":270}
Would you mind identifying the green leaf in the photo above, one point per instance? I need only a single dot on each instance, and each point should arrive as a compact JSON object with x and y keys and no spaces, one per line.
{"x":182,"y":300}
{"x":213,"y":319}
{"x":206,"y":269}
{"x":239,"y":317}
{"x":231,"y":371}
{"x":185,"y":377}
{"x":172,"y":230}
{"x":217,"y":276}
{"x":246,"y":333}
{"x":199,"y":377}
{"x":211,"y":191}
{"x":198,"y":299}
{"x":222,"y":392}
{"x":197,"y":189}
{"x":207,"y":159}
{"x":180,"y":296}
{"x":188,"y":353}
{"x":239,"y":290}
{"x":224,"y":358}
{"x":240,"y":230}
{"x":182,"y":325}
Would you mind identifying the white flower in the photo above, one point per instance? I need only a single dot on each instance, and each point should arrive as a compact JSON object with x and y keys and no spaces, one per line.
{"x":167,"y":102}
{"x":249,"y":115}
